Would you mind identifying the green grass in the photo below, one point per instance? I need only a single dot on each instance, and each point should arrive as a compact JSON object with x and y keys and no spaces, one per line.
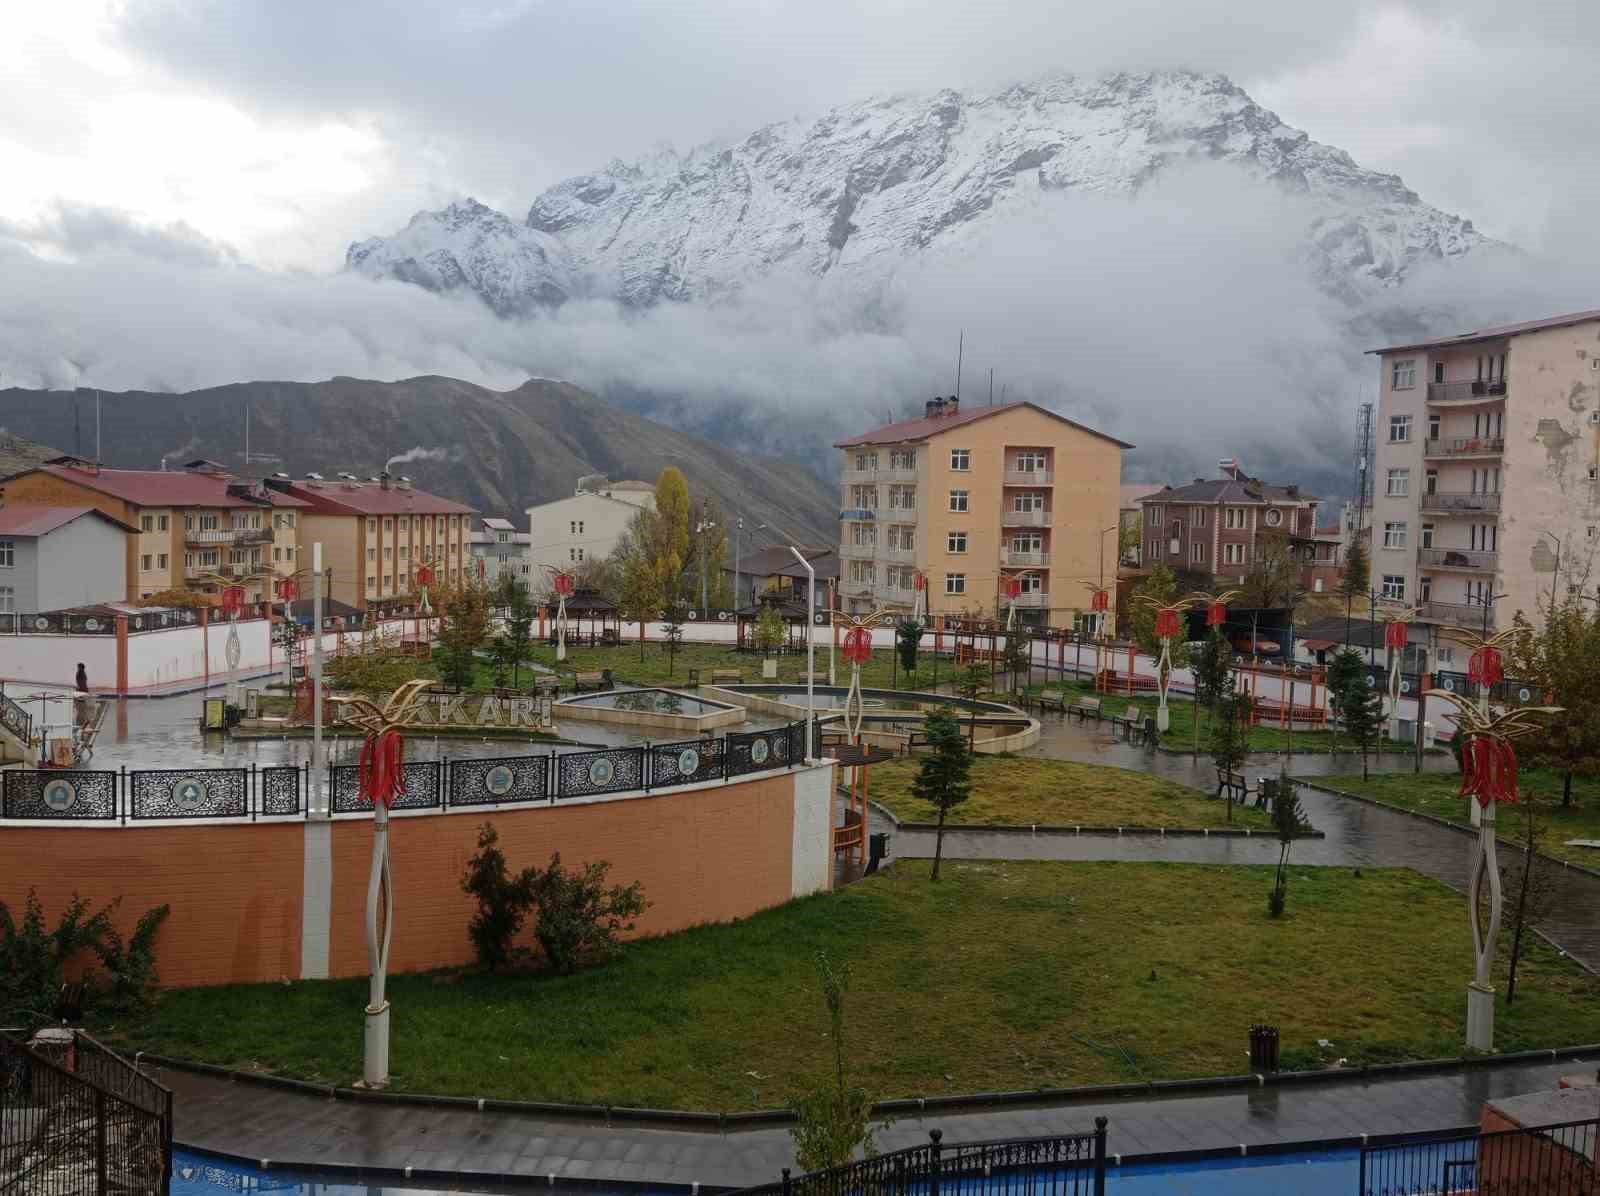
{"x":1181,"y":715}
{"x":1027,"y":791}
{"x":1437,"y":794}
{"x":1003,"y":975}
{"x":657,"y":668}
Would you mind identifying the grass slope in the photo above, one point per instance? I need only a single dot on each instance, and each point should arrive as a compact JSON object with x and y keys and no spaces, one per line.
{"x":1003,"y":975}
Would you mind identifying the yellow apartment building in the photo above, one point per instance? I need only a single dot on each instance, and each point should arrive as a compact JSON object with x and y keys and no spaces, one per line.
{"x":970,"y":498}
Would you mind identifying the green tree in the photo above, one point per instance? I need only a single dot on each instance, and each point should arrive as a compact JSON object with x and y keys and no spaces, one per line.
{"x":1273,"y":580}
{"x":769,"y":630}
{"x":639,"y":592}
{"x":907,"y":642}
{"x":1130,"y":535}
{"x":1213,"y":675}
{"x":1357,"y":573}
{"x":514,"y":644}
{"x":1230,"y":737}
{"x":1018,"y":656}
{"x":1563,"y":659}
{"x":672,"y":632}
{"x":944,"y":778}
{"x":671,"y":525}
{"x":832,"y":1120}
{"x":580,"y":919}
{"x":503,"y":901}
{"x":462,"y":631}
{"x":1344,"y":670}
{"x":1358,"y":704}
{"x":969,"y":683}
{"x":1288,"y":820}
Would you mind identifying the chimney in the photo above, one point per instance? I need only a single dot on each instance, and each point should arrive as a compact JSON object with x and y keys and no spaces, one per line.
{"x":383,"y":479}
{"x":952,"y":405}
{"x":932,"y":408}
{"x":1292,"y":491}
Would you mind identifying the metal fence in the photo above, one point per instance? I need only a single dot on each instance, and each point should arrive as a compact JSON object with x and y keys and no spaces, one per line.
{"x":15,"y":719}
{"x":81,"y":1119}
{"x":1065,"y":1165}
{"x":1555,"y":1160}
{"x":1510,"y":690}
{"x":281,"y":791}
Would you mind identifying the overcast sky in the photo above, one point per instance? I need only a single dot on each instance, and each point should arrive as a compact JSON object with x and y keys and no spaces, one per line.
{"x":280,"y":130}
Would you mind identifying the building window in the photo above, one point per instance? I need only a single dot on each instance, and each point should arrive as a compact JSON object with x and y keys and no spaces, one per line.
{"x":1233,"y":554}
{"x":372,"y":523}
{"x":1394,"y":587}
{"x":388,"y":552}
{"x":572,"y":554}
{"x":572,"y":527}
{"x":1427,"y":535}
{"x":902,"y":498}
{"x":1028,"y":500}
{"x":8,"y":600}
{"x":188,"y":523}
{"x":161,"y":560}
{"x":902,"y":458}
{"x":8,"y":554}
{"x":1399,"y":429}
{"x":1235,"y":518}
{"x":1274,"y":516}
{"x":1029,"y":461}
{"x":866,"y":462}
{"x":144,"y":563}
{"x":162,"y":523}
{"x":1403,"y":374}
{"x":388,"y":581}
{"x":955,"y":583}
{"x":956,"y":542}
{"x":1197,"y":551}
{"x":1399,"y":483}
{"x":961,"y":459}
{"x":372,"y":554}
{"x":958,"y":500}
{"x":1197,"y":516}
{"x":864,"y":498}
{"x":405,"y":551}
{"x":1155,"y":516}
{"x":1394,"y":535}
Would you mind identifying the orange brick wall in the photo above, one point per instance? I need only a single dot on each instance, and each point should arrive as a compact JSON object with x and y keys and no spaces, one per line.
{"x":46,"y":488}
{"x":234,"y":890}
{"x":705,"y":855}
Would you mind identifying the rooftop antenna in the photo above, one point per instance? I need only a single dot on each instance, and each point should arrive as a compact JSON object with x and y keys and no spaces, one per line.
{"x":991,"y":386}
{"x":97,"y":431}
{"x":961,"y":343}
{"x":77,"y":431}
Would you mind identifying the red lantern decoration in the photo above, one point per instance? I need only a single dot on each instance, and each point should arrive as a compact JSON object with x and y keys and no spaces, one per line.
{"x":564,"y":584}
{"x":1216,"y":614}
{"x":425,"y":576}
{"x":1483,"y":666}
{"x":1101,"y":601}
{"x":858,"y":645}
{"x":232,"y":600}
{"x":288,"y":589}
{"x":1013,"y":587}
{"x":382,"y":775}
{"x":1394,"y":634}
{"x":920,"y":580}
{"x":1166,"y":624}
{"x":1488,"y":768}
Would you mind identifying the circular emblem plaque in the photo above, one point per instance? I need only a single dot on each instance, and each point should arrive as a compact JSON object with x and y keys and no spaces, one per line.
{"x":1405,"y":687}
{"x":1524,"y":694}
{"x":780,"y":749}
{"x":758,"y":751}
{"x":1371,"y":681}
{"x":1450,"y":685}
{"x":602,"y":772}
{"x":41,"y":624}
{"x":189,"y":794}
{"x":138,"y":623}
{"x":60,"y":795}
{"x":91,"y":624}
{"x":688,"y":762}
{"x":499,"y":779}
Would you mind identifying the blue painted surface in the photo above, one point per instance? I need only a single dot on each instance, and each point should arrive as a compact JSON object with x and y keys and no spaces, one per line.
{"x":1325,"y":1173}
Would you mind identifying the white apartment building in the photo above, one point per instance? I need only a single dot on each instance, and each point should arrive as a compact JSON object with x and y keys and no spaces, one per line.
{"x":498,"y":550}
{"x":1487,"y":491}
{"x":569,"y":531}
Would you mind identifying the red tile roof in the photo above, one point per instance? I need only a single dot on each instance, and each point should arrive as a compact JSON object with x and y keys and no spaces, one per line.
{"x":925,"y":426}
{"x":370,"y":498}
{"x":35,"y":519}
{"x":1496,"y":332}
{"x":163,"y":487}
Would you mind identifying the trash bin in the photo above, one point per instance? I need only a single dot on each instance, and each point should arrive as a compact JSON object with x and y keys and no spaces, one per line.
{"x":606,"y":680}
{"x":1263,"y":1049}
{"x":877,"y":850}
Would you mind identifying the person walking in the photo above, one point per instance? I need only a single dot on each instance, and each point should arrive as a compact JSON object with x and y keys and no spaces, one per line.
{"x":80,"y":704}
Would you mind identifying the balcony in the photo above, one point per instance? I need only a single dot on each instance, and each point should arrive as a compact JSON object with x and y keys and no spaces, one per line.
{"x":1456,"y":614}
{"x":1034,"y":600}
{"x":858,"y":552}
{"x":1457,"y":558}
{"x":1464,"y":393}
{"x":901,"y":514}
{"x":230,"y":535}
{"x":1025,"y":519}
{"x":1024,"y":560}
{"x":868,"y":477}
{"x":895,"y":594}
{"x":1461,"y":503}
{"x":1464,"y":446}
{"x":1029,"y":477}
{"x":907,"y":556}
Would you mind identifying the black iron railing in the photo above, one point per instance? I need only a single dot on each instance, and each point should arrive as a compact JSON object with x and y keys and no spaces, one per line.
{"x":1065,"y":1165}
{"x":1519,"y":693}
{"x":15,"y":719}
{"x":1480,"y":388}
{"x":80,"y":1118}
{"x":1554,"y":1160}
{"x":281,"y":791}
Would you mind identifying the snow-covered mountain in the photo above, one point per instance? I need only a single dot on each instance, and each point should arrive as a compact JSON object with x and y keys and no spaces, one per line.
{"x":871,"y":186}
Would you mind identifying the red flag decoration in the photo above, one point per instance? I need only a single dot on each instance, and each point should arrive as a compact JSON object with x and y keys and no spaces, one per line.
{"x":288,"y":589}
{"x":1101,"y":601}
{"x":1394,"y":634}
{"x":1483,"y":666}
{"x":920,"y":580}
{"x":425,"y":576}
{"x":858,"y":645}
{"x":1216,"y":614}
{"x":1166,"y":624}
{"x":1013,"y":587}
{"x":1488,"y":769}
{"x":232,"y":599}
{"x":383,"y":778}
{"x":564,"y":584}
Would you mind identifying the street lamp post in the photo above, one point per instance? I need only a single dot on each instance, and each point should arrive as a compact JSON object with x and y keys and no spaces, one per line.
{"x":700,"y":529}
{"x":811,"y":653}
{"x":1114,"y":527}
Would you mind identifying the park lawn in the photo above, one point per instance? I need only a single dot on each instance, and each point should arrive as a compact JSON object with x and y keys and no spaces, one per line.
{"x":1030,"y":791}
{"x":658,"y":668}
{"x":1437,"y":793}
{"x":1000,"y":976}
{"x":1181,"y":714}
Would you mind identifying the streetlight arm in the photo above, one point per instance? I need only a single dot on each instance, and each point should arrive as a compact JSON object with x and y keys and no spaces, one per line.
{"x":811,"y":653}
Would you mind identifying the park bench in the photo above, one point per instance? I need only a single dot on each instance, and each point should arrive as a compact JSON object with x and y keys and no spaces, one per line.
{"x":1234,"y":784}
{"x":547,"y":683}
{"x":1130,"y":721}
{"x":597,"y":679}
{"x":1084,"y":707}
{"x":1051,"y":701}
{"x":726,"y":677}
{"x":814,"y":678}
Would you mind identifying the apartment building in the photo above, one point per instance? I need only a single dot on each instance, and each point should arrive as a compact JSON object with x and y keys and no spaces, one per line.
{"x":1222,"y":526}
{"x":189,"y":526}
{"x":1488,"y":463}
{"x":498,"y":550}
{"x":376,"y":533}
{"x":586,"y":527}
{"x":970,"y":498}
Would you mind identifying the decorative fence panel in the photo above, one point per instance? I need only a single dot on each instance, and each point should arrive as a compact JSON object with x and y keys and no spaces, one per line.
{"x":687,"y":762}
{"x":1558,"y":1160}
{"x":278,"y":789}
{"x":71,"y":794}
{"x":15,"y":719}
{"x":498,"y":781}
{"x":757,"y":751}
{"x":422,"y":788}
{"x":587,"y":774}
{"x":195,"y":793}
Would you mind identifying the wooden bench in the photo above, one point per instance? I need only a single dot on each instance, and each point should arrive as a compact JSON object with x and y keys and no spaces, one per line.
{"x":1130,"y":720}
{"x":547,"y":683}
{"x":1084,"y":707}
{"x":726,"y":677}
{"x":1233,"y":784}
{"x":814,"y":678}
{"x":596,"y":680}
{"x":1051,"y":701}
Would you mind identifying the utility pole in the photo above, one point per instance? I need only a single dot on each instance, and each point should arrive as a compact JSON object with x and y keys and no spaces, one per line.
{"x":700,"y":529}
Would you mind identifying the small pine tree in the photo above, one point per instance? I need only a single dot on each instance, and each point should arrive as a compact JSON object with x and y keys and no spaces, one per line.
{"x":503,"y":901}
{"x":672,"y":632}
{"x":944,"y":779}
{"x":907,"y":641}
{"x":1360,"y":707}
{"x":1230,"y":738}
{"x":1287,"y":820}
{"x":769,"y":628}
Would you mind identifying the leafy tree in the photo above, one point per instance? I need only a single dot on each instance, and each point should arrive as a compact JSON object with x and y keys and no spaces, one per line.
{"x":1230,"y":737}
{"x":34,"y":959}
{"x":380,"y":671}
{"x":580,"y":919}
{"x":769,"y":629}
{"x":1563,"y":658}
{"x":1359,"y":705}
{"x":969,"y":683}
{"x":1018,"y":655}
{"x":1161,"y":584}
{"x":462,"y":631}
{"x":1288,"y":819}
{"x":708,"y":553}
{"x":1129,"y":538}
{"x":503,"y":901}
{"x":639,"y":594}
{"x":832,"y":1120}
{"x":1213,"y":669}
{"x":1273,"y":581}
{"x":670,"y":548}
{"x":907,"y":641}
{"x":1357,"y":573}
{"x":944,"y":777}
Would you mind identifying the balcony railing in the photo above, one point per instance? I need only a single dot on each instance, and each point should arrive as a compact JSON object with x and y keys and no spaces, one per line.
{"x":891,"y":553}
{"x":1023,"y":560}
{"x":1464,"y":446}
{"x":1466,"y":392}
{"x":230,"y":535}
{"x":1029,"y":477}
{"x":867,"y":477}
{"x":1461,"y":503}
{"x":1457,"y":614}
{"x":901,"y":514}
{"x":1031,"y":600}
{"x":1025,"y":519}
{"x":1456,"y":558}
{"x":858,"y":552}
{"x":888,"y":593}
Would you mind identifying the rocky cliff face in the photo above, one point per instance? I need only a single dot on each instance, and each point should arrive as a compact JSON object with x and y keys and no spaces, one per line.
{"x":869,"y":187}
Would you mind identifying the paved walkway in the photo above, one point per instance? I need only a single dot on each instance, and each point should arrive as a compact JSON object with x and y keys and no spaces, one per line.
{"x":257,"y":1123}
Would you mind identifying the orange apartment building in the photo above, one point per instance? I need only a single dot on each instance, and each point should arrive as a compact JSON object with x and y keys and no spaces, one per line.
{"x":972,"y":497}
{"x":375,"y":534}
{"x":190,"y":525}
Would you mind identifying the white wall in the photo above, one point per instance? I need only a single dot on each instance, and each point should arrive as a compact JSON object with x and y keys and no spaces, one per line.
{"x":553,"y":540}
{"x":811,"y":865}
{"x":53,"y":659}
